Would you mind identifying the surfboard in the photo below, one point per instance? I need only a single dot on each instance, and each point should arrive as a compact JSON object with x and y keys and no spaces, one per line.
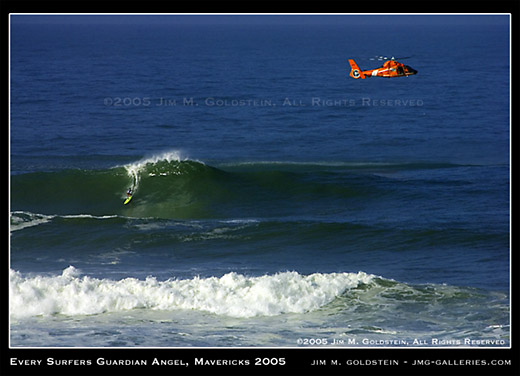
{"x":127,"y":200}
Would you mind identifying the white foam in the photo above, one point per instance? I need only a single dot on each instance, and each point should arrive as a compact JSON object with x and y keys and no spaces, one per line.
{"x":22,"y":219}
{"x":240,"y":221}
{"x":134,"y":169}
{"x":233,"y":294}
{"x":78,"y":216}
{"x":169,"y":156}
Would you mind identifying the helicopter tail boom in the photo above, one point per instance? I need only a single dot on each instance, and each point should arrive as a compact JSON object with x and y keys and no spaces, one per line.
{"x":355,"y":71}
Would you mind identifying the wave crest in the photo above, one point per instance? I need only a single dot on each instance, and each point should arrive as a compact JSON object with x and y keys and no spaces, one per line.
{"x":232,"y":295}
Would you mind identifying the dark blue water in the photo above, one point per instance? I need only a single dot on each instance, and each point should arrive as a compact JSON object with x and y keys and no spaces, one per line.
{"x":261,"y":171}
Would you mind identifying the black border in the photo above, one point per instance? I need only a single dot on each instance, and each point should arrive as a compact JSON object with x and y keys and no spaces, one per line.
{"x":296,"y":361}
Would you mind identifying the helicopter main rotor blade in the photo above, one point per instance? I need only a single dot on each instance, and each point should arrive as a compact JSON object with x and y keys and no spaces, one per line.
{"x":384,"y":58}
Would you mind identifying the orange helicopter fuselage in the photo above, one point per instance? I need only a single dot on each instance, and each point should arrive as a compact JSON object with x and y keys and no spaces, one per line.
{"x":390,"y":68}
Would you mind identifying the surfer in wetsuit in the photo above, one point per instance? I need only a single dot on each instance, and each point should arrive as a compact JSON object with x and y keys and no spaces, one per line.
{"x":129,"y":192}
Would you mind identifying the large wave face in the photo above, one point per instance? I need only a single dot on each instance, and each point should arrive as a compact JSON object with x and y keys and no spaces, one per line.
{"x":164,"y":186}
{"x":170,"y":186}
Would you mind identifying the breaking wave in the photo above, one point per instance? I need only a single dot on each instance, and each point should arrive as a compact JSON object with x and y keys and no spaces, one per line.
{"x":367,"y":303}
{"x":233,"y":294}
{"x":170,"y":185}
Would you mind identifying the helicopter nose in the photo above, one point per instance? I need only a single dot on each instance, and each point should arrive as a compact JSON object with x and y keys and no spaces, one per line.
{"x":409,"y":70}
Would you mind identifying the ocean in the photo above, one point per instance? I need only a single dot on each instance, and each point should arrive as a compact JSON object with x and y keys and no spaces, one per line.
{"x":277,"y":202}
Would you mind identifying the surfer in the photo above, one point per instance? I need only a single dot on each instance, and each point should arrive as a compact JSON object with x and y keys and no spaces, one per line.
{"x":129,"y":192}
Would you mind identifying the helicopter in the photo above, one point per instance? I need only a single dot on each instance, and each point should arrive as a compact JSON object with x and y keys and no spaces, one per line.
{"x":391,"y":68}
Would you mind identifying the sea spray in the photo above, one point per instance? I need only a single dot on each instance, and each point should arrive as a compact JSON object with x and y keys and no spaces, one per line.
{"x":232,"y":294}
{"x":135,"y":169}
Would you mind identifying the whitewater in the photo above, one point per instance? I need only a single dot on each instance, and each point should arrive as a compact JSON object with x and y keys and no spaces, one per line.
{"x":233,"y":294}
